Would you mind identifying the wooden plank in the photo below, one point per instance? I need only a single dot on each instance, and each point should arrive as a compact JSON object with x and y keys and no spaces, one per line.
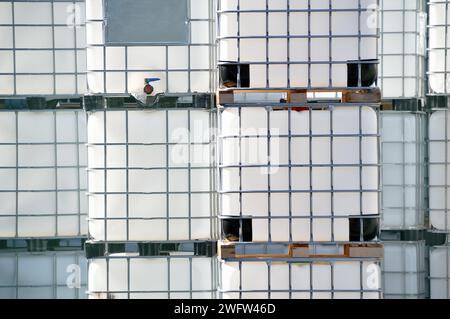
{"x":372,"y":95}
{"x":376,"y":250}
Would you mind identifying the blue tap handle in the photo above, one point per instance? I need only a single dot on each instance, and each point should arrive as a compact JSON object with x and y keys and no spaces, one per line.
{"x":149,"y":80}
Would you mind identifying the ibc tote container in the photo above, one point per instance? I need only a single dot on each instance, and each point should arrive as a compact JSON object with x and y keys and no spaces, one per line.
{"x":403,"y":149}
{"x":42,"y":48}
{"x":438,"y":46}
{"x":42,"y":173}
{"x":440,"y":272}
{"x":297,"y":44}
{"x":404,"y":270}
{"x":291,"y":174}
{"x":60,"y":273}
{"x":291,"y":279}
{"x":402,"y":48}
{"x":129,"y":41}
{"x":177,"y":273}
{"x":439,"y":170}
{"x":150,"y":174}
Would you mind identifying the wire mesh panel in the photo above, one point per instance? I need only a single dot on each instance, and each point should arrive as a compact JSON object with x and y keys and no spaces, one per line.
{"x":439,"y":170}
{"x":403,"y":159}
{"x":404,"y":270}
{"x":325,"y":279}
{"x":297,"y":174}
{"x":298,"y":44}
{"x":129,"y":41}
{"x":402,"y":48}
{"x":150,"y":174}
{"x":438,"y":45}
{"x":42,"y":173}
{"x":42,"y":48}
{"x":440,"y":272}
{"x":125,"y":276}
{"x":49,"y":275}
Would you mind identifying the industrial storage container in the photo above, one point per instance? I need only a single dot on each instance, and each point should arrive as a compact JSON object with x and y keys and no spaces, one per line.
{"x":42,"y":173}
{"x":297,"y":44}
{"x":150,"y":174}
{"x":58,"y":274}
{"x":404,"y":269}
{"x":403,"y":157}
{"x":438,"y":46}
{"x":291,"y":279}
{"x":298,"y":174}
{"x":181,"y":274}
{"x":439,"y":170}
{"x":402,"y":48}
{"x":130,"y":41}
{"x":42,"y":48}
{"x":440,"y":272}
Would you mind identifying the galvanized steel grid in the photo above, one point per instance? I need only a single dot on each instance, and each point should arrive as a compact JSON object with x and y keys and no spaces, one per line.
{"x":439,"y":49}
{"x":417,"y":8}
{"x":18,"y":283}
{"x":330,"y":62}
{"x":211,"y":45}
{"x":77,"y":27}
{"x":169,"y":292}
{"x":167,"y":168}
{"x":415,"y":277}
{"x":418,"y":164}
{"x":309,"y":292}
{"x":310,"y":107}
{"x":80,"y":166}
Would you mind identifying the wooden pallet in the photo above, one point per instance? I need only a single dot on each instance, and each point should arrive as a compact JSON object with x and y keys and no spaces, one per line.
{"x":228,"y":250}
{"x":294,"y":96}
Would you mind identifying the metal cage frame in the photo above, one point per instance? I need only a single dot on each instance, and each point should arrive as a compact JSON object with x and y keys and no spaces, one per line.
{"x":419,"y":35}
{"x":79,"y":72}
{"x":419,"y":163}
{"x":167,"y":144}
{"x":308,"y":107}
{"x":289,"y":37}
{"x":79,"y":167}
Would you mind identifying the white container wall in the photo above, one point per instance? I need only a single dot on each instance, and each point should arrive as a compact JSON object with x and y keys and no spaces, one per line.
{"x":299,"y":175}
{"x":404,"y":270}
{"x":129,"y":41}
{"x":350,"y":279}
{"x":439,"y":170}
{"x":42,"y":48}
{"x":297,"y":44}
{"x":438,"y":45}
{"x":402,"y":48}
{"x":440,"y":272}
{"x":403,"y":157}
{"x":150,"y":175}
{"x":131,"y":277}
{"x":43,"y":173}
{"x":50,"y":275}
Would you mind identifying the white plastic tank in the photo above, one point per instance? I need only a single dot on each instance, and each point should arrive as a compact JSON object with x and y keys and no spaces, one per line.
{"x":403,"y":159}
{"x":439,"y":170}
{"x":43,"y":173}
{"x":298,"y":174}
{"x":49,"y":275}
{"x":438,"y":45}
{"x":404,"y":270}
{"x":150,"y":174}
{"x":350,"y":279}
{"x":297,"y":44}
{"x":402,"y":48}
{"x":42,"y":48}
{"x":124,"y":276}
{"x":172,"y":40}
{"x":440,"y":272}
